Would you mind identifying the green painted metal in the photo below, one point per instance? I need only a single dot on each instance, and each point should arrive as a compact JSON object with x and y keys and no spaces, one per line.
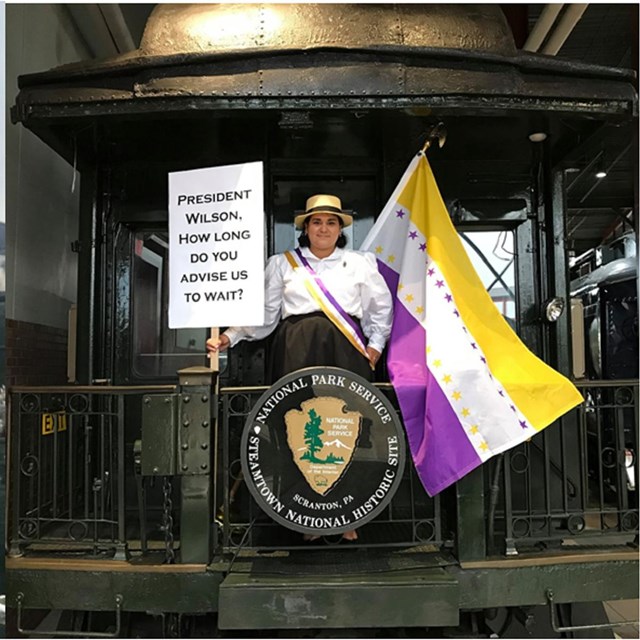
{"x":472,"y":536}
{"x":194,"y":431}
{"x":252,"y":597}
{"x":151,"y":591}
{"x":194,"y":438}
{"x":524,"y":586}
{"x":49,"y":633}
{"x":397,"y":599}
{"x":176,"y":431}
{"x":159,"y":440}
{"x":195,"y":519}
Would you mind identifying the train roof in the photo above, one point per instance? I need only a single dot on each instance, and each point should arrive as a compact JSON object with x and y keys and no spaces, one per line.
{"x":444,"y":57}
{"x":616,"y":271}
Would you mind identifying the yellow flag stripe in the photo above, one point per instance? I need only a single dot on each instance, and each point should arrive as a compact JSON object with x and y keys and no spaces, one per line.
{"x":541,"y":393}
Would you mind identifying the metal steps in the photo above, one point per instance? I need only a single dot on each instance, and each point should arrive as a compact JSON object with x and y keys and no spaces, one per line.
{"x":356,"y":589}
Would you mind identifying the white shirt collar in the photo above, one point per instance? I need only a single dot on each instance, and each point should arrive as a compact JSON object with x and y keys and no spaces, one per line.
{"x":336,"y":255}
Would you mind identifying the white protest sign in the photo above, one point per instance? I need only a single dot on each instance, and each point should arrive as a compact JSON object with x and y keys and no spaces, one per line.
{"x":216,"y":247}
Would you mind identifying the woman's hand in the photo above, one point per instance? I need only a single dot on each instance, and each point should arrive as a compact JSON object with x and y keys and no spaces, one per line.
{"x":217,"y":344}
{"x":374,"y":355}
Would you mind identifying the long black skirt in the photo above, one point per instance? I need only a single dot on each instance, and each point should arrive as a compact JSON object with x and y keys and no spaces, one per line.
{"x":312,"y":340}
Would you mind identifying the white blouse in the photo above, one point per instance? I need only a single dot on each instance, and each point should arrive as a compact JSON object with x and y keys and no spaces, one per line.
{"x":353,"y":279}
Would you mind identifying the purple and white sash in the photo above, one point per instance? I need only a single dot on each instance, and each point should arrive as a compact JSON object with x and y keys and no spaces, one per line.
{"x":329,"y":305}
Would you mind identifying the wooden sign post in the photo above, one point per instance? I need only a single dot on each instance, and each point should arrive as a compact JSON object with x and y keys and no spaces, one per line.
{"x":214,"y":357}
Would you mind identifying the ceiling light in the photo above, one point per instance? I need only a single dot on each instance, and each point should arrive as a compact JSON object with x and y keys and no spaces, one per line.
{"x":601,"y":172}
{"x":538,"y":136}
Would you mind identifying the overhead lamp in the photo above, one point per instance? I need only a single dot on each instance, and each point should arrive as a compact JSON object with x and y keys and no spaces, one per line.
{"x":600,"y":170}
{"x":553,"y":308}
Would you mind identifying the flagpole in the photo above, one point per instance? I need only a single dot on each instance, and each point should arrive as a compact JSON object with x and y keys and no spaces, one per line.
{"x":439,"y":133}
{"x":214,"y":362}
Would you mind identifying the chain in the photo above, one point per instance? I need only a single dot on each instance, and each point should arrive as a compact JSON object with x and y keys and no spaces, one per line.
{"x":171,"y":625}
{"x":167,"y":521}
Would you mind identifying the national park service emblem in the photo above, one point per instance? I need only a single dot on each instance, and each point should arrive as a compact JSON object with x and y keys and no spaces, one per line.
{"x":323,"y":451}
{"x":322,"y":437}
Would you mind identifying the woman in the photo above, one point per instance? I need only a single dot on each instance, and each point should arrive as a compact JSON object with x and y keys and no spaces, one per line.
{"x":331,"y":306}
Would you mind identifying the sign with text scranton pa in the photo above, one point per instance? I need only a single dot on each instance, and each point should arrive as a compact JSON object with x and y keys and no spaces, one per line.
{"x":323,"y":451}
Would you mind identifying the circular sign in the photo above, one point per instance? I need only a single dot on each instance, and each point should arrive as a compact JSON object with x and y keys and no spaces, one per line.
{"x":322,"y":451}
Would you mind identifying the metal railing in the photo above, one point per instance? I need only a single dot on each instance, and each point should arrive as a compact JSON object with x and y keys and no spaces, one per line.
{"x":67,"y":459}
{"x":576,"y":481}
{"x":73,"y":479}
{"x":411,"y":519}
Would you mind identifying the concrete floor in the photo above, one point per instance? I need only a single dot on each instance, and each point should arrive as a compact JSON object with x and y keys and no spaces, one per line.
{"x":619,"y":610}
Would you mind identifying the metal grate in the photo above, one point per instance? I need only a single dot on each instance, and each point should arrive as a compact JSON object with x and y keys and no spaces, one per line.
{"x":68,"y":469}
{"x":73,"y":482}
{"x":577,"y":481}
{"x":64,"y":456}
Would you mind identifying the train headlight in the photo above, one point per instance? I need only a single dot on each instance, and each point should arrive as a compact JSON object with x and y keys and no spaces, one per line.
{"x":553,"y":309}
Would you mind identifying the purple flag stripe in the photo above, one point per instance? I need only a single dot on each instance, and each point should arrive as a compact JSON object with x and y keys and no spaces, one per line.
{"x":431,"y":433}
{"x":390,"y":276}
{"x":343,"y":314}
{"x":431,"y":428}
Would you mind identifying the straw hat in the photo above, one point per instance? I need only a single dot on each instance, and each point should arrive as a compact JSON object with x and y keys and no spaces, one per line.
{"x":324,"y":204}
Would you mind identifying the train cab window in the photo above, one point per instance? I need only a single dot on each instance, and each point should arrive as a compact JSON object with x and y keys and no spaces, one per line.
{"x":158,"y":351}
{"x":493,"y":257}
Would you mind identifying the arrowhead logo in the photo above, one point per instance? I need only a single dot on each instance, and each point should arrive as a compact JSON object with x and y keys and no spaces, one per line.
{"x":322,"y":438}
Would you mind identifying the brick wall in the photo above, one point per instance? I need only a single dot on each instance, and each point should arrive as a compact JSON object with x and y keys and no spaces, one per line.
{"x":35,"y":354}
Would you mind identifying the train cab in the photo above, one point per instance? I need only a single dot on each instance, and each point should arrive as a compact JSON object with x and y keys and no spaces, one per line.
{"x":114,"y":517}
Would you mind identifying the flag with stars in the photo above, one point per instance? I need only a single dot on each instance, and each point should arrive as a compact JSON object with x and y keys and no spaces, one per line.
{"x":468,"y":387}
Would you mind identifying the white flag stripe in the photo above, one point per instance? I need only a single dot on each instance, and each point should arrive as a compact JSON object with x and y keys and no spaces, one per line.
{"x":495,"y":414}
{"x":380,"y":227}
{"x":412,"y":274}
{"x":395,"y":232}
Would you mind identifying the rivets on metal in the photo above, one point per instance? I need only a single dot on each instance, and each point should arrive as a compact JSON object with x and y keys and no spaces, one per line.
{"x":205,"y":423}
{"x":186,"y":398}
{"x":185,"y":467}
{"x":185,"y":422}
{"x":204,"y":465}
{"x":156,"y":470}
{"x":204,"y":446}
{"x":205,"y":398}
{"x":185,"y":446}
{"x":147,"y":400}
